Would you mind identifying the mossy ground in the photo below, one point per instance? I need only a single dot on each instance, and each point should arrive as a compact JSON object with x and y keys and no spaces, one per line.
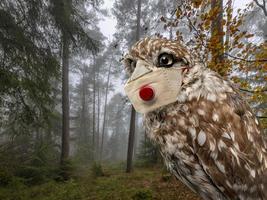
{"x":115,"y":184}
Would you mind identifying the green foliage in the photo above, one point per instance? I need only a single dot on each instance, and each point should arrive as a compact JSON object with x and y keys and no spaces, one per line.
{"x":69,"y":20}
{"x":143,"y":195}
{"x":142,"y":184}
{"x":48,"y":191}
{"x":32,"y":175}
{"x":148,"y":153}
{"x":28,"y":68}
{"x":65,"y":171}
{"x":83,"y":154}
{"x":97,"y":170}
{"x":5,"y":177}
{"x":37,"y":161}
{"x":71,"y":191}
{"x":30,"y":51}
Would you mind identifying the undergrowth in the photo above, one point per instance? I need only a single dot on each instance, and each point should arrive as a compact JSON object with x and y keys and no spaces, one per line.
{"x":101,"y":182}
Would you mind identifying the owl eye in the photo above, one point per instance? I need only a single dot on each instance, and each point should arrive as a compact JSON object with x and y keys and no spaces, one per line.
{"x":165,"y":60}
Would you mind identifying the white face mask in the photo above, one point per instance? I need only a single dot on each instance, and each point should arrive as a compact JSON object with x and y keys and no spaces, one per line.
{"x":151,"y":89}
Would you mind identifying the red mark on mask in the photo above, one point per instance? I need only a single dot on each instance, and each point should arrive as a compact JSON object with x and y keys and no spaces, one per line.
{"x":146,"y":93}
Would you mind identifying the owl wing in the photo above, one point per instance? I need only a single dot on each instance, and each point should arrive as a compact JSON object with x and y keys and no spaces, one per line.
{"x":230,"y":148}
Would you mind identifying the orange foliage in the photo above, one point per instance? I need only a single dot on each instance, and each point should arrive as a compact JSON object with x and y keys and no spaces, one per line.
{"x":225,"y":48}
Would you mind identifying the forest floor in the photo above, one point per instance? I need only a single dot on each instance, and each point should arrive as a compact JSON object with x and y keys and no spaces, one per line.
{"x":115,"y":184}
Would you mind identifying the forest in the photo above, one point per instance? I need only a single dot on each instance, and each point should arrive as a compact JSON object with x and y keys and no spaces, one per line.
{"x":67,"y":129}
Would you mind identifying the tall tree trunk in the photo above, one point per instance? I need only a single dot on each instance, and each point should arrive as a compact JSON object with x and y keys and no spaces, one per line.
{"x":129,"y":166}
{"x":98,"y":117}
{"x":94,"y":107}
{"x":136,"y":139}
{"x":65,"y":100}
{"x":217,"y":35}
{"x":105,"y":113}
{"x":84,"y":110}
{"x":117,"y":135}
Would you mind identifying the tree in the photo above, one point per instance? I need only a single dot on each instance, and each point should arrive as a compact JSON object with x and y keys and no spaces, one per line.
{"x":65,"y":99}
{"x":240,"y":56}
{"x":68,"y":20}
{"x":129,"y":166}
{"x":80,"y":109}
{"x":217,"y":37}
{"x":28,"y":67}
{"x":117,"y":126}
{"x":105,"y":111}
{"x":29,"y":73}
{"x":262,"y":5}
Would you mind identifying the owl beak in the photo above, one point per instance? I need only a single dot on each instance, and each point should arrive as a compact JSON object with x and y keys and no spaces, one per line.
{"x":141,"y":69}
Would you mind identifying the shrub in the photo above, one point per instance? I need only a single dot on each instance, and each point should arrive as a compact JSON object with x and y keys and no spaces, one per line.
{"x":97,"y":170}
{"x":5,"y":177}
{"x":32,"y":175}
{"x":142,"y":195}
{"x":65,"y":171}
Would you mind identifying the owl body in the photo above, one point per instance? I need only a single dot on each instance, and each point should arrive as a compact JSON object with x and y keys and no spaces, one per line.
{"x":209,"y":137}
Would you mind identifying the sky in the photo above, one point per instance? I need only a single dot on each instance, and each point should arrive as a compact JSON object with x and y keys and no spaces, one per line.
{"x":108,"y":24}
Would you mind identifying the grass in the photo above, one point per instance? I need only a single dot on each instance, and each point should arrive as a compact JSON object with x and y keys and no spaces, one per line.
{"x":115,"y":184}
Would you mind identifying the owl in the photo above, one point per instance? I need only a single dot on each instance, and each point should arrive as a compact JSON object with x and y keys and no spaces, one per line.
{"x":207,"y":134}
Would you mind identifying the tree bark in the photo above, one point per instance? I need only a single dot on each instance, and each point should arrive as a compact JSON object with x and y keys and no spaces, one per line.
{"x":129,"y":166}
{"x":105,"y":112}
{"x":94,"y":108}
{"x":98,"y":117}
{"x":65,"y":100}
{"x":217,"y":35}
{"x":84,"y":110}
{"x":138,"y":20}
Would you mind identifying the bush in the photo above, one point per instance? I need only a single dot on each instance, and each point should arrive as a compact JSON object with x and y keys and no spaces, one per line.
{"x":142,"y":195}
{"x":5,"y":177}
{"x":65,"y":171}
{"x":97,"y":170}
{"x":32,"y":175}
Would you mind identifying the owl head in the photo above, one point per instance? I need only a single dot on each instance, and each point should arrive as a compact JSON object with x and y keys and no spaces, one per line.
{"x":157,"y":68}
{"x":157,"y":53}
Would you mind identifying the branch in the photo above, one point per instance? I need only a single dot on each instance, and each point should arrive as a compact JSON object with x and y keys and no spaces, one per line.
{"x":252,"y":91}
{"x":193,"y":27}
{"x":262,"y":117}
{"x":262,"y":6}
{"x":231,"y":56}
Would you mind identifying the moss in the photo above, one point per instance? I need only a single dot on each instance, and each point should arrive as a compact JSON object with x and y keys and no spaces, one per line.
{"x":143,"y":183}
